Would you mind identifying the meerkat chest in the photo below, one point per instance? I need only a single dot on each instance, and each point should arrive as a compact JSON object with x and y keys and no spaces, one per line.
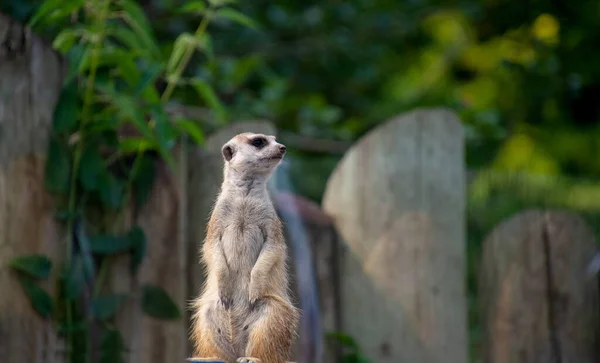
{"x":244,"y":233}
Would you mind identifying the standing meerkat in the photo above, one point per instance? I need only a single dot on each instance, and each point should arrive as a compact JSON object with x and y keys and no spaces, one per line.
{"x":244,"y":312}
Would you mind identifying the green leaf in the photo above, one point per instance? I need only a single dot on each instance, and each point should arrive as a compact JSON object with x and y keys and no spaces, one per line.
{"x":157,"y":303}
{"x":342,"y":339}
{"x":67,"y":109}
{"x":208,"y":95}
{"x":136,"y":18}
{"x":195,"y":7}
{"x":143,"y":180}
{"x":138,"y":46}
{"x":74,"y":278}
{"x":76,"y":56}
{"x":192,"y":129}
{"x":112,"y":345}
{"x":35,"y":265}
{"x":91,"y":168}
{"x":109,"y":244}
{"x":135,"y":144}
{"x":58,"y":167}
{"x":165,"y":135}
{"x":118,"y":60}
{"x":206,"y":45}
{"x":237,"y":17}
{"x":105,"y":307}
{"x":137,"y":240}
{"x":127,"y":109}
{"x":53,"y":10}
{"x":112,"y":191}
{"x":65,"y":40}
{"x":179,"y":46}
{"x":150,"y":95}
{"x":243,"y":68}
{"x":40,"y":300}
{"x":221,"y":2}
{"x":148,"y":76}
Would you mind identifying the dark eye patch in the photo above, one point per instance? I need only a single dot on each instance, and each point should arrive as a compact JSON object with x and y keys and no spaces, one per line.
{"x":259,"y":142}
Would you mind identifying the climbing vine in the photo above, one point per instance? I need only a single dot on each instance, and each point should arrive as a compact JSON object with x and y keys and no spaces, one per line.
{"x":110,"y":127}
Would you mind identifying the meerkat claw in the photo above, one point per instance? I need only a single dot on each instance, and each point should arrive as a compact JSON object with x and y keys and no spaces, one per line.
{"x":226,"y":303}
{"x":253,"y":304}
{"x":248,"y":360}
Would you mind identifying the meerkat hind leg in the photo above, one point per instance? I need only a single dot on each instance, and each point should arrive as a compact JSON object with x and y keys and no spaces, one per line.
{"x":210,"y":337}
{"x":272,"y":332}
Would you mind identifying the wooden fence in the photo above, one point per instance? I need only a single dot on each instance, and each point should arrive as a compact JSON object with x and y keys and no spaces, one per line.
{"x":388,"y":244}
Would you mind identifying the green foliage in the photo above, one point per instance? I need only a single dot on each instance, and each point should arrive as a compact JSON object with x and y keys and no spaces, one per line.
{"x":112,"y":346}
{"x":351,"y":352}
{"x":39,"y":298}
{"x":157,"y":303}
{"x":105,"y":307}
{"x":110,"y":129}
{"x":36,"y":266}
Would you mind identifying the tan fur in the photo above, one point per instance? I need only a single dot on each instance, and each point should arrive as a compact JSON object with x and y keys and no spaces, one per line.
{"x":245,"y":308}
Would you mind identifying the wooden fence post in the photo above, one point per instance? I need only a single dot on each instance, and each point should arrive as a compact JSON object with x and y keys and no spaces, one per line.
{"x":31,"y":76}
{"x":398,"y":200}
{"x":165,"y":265}
{"x":538,"y":304}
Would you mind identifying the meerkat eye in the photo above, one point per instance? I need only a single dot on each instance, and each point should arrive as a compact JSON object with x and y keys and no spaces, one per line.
{"x":259,"y":142}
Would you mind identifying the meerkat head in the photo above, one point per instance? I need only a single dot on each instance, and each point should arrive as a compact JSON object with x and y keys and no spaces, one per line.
{"x":252,"y":156}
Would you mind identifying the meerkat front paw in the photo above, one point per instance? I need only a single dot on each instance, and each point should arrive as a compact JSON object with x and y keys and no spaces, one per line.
{"x":248,"y":360}
{"x":254,"y":301}
{"x":225,"y":291}
{"x":254,"y":294}
{"x":226,"y":300}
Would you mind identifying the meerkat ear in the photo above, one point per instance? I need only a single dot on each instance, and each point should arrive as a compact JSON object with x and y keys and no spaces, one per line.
{"x":227,"y":152}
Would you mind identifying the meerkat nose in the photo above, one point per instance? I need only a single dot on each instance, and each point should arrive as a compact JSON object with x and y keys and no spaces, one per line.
{"x":282,"y":148}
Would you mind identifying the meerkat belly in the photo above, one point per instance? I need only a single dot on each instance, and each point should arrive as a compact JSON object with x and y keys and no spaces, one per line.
{"x":241,"y":246}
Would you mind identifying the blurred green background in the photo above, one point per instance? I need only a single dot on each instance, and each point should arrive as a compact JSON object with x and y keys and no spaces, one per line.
{"x":524,"y":77}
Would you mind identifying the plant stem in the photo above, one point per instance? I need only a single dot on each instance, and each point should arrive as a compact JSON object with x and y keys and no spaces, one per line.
{"x":186,"y":58}
{"x":101,"y":276}
{"x":72,"y":203}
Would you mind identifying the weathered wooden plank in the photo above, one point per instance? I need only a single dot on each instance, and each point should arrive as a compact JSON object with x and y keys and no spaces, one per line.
{"x":31,"y":75}
{"x":164,"y":265}
{"x":397,"y":199}
{"x":538,"y":304}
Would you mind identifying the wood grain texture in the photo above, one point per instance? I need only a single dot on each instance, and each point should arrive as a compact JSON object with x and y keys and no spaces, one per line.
{"x":31,"y":76}
{"x":397,"y":199}
{"x":538,"y":304}
{"x":163,"y":265}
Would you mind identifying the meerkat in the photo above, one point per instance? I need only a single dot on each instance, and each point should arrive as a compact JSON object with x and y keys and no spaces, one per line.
{"x":244,"y":312}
